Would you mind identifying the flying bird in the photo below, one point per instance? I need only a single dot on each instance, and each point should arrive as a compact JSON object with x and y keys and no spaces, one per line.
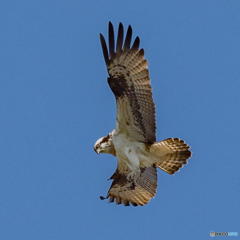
{"x":133,"y":141}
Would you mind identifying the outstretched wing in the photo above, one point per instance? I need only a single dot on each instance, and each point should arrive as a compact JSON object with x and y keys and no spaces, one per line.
{"x":130,"y":83}
{"x":136,"y":191}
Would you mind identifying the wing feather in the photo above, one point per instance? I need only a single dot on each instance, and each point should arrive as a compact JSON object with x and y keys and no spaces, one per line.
{"x":129,"y":80}
{"x":137,"y":191}
{"x":136,"y":43}
{"x":128,"y":39}
{"x":104,"y":48}
{"x":120,"y":38}
{"x":111,"y":40}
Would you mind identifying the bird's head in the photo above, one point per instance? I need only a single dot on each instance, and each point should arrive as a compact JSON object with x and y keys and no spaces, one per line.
{"x":104,"y":145}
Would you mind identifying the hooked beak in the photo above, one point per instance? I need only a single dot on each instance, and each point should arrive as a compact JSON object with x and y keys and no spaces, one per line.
{"x":96,"y":150}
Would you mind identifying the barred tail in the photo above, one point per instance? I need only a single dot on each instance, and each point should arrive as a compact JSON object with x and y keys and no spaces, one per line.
{"x":173,"y":154}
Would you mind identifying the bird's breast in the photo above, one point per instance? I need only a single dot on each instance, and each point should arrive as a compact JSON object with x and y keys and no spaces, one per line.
{"x":128,"y":151}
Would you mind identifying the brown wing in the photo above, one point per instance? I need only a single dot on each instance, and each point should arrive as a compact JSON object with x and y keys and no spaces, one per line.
{"x":173,"y":153}
{"x":130,"y":83}
{"x":137,"y":191}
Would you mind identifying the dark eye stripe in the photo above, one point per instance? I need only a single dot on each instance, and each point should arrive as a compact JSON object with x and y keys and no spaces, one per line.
{"x":105,"y":139}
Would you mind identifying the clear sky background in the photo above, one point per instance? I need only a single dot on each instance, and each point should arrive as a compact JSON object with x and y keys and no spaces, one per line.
{"x":55,"y":103}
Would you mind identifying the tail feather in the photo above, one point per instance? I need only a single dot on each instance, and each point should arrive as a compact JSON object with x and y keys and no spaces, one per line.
{"x":173,"y":154}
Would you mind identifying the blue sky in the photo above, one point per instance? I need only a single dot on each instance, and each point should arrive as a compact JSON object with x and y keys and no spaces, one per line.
{"x":55,"y":103}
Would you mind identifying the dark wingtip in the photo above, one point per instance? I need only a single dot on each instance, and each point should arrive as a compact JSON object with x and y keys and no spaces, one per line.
{"x":110,"y":25}
{"x":104,"y":49}
{"x":128,"y":38}
{"x":120,"y":37}
{"x":111,"y":39}
{"x":130,"y":29}
{"x":101,"y":37}
{"x":136,"y":43}
{"x":134,"y":204}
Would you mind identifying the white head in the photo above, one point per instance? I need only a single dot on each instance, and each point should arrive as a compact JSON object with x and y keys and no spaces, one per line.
{"x":104,"y":145}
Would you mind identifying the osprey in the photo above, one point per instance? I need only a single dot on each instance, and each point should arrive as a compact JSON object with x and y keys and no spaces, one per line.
{"x":133,"y":141}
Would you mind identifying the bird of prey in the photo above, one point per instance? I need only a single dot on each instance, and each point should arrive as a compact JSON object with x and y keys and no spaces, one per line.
{"x":133,"y":141}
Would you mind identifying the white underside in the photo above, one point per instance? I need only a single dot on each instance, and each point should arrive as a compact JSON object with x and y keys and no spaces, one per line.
{"x":131,"y":154}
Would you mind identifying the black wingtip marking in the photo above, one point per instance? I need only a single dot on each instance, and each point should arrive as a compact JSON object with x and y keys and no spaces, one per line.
{"x":136,"y":43}
{"x":120,"y":37}
{"x":111,"y":39}
{"x":128,"y":38}
{"x":109,"y":53}
{"x":104,"y":49}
